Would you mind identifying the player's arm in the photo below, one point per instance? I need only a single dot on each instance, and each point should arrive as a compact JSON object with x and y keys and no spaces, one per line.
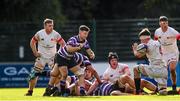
{"x":90,"y":53}
{"x":92,"y":87}
{"x":155,"y":35}
{"x":61,"y":42}
{"x":73,"y":49}
{"x":73,"y":46}
{"x":176,"y":34}
{"x":136,"y":53}
{"x":89,"y":50}
{"x":33,"y":42}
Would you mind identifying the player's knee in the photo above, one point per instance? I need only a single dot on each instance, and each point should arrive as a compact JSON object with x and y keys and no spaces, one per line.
{"x":144,"y":82}
{"x":172,"y":69}
{"x":53,"y":74}
{"x":125,"y":77}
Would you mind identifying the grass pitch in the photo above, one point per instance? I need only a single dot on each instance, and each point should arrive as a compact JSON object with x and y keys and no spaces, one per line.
{"x":17,"y":94}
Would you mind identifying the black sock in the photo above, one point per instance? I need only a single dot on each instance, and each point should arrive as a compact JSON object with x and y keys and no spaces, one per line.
{"x":62,"y":86}
{"x":67,"y":90}
{"x":38,"y":74}
{"x":44,"y":73}
{"x":30,"y":91}
{"x":48,"y":89}
{"x":49,"y":86}
{"x":82,"y":91}
{"x":156,"y":90}
{"x":174,"y":87}
{"x":137,"y":84}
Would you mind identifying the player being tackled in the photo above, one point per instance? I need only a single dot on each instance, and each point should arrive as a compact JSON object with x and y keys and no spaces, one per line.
{"x":156,"y":68}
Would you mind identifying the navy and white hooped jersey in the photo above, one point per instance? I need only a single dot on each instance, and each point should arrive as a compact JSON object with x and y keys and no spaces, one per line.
{"x":104,"y":89}
{"x":78,"y":57}
{"x":74,"y":42}
{"x":73,"y":79}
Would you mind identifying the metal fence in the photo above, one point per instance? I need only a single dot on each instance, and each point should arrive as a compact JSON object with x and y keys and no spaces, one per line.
{"x":105,"y":36}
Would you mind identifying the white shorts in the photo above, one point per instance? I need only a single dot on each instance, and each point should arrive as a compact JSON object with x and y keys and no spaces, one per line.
{"x":168,"y":57}
{"x":41,"y":62}
{"x":159,"y":74}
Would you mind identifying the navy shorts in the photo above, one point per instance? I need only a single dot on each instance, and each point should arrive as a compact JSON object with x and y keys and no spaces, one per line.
{"x":61,"y":61}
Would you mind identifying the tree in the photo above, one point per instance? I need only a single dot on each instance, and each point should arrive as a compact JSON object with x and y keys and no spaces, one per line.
{"x":30,"y":10}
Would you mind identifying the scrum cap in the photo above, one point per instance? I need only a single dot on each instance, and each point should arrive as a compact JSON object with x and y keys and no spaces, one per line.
{"x":112,"y":55}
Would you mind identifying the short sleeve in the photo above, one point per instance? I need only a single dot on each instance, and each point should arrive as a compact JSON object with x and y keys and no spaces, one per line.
{"x":175,"y":32}
{"x":72,"y":41}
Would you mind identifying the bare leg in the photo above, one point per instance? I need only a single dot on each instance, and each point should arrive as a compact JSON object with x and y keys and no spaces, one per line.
{"x":127,"y":79}
{"x":32,"y":83}
{"x":54,"y":75}
{"x":150,"y":86}
{"x":172,"y":67}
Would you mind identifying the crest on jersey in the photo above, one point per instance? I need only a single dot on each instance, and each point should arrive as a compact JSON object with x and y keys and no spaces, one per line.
{"x":53,"y":39}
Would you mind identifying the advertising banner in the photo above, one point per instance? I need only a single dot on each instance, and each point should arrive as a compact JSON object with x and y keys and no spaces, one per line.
{"x":15,"y":75}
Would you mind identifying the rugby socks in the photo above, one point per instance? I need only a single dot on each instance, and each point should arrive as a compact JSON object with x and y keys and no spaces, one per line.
{"x":29,"y":93}
{"x":67,"y":91}
{"x":156,"y":90}
{"x":174,"y":87}
{"x":48,"y":90}
{"x":137,"y":84}
{"x":50,"y":86}
{"x":62,"y":86}
{"x":82,"y":91}
{"x":44,"y":73}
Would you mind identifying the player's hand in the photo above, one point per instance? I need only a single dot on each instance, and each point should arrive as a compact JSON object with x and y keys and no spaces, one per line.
{"x":81,"y":45}
{"x":134,"y":46}
{"x":37,"y":54}
{"x":92,"y":55}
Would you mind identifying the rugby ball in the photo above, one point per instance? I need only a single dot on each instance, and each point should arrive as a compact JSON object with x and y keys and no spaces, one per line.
{"x":142,"y":48}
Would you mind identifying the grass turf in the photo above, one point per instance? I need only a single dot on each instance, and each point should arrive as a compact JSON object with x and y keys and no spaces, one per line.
{"x":17,"y":94}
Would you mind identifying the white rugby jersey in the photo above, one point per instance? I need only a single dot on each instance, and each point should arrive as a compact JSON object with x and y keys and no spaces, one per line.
{"x":154,"y":53}
{"x":167,"y":39}
{"x":114,"y":74}
{"x":47,"y":43}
